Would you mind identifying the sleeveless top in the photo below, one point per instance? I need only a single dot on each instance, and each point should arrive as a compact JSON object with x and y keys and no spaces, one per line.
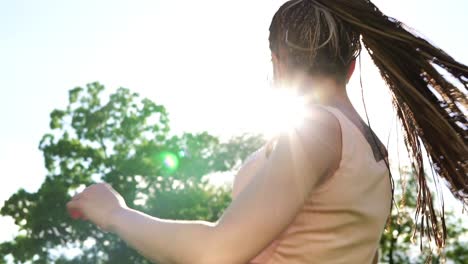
{"x":343,"y":219}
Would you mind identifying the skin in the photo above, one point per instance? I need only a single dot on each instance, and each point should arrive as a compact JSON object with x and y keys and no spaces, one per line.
{"x":295,"y":167}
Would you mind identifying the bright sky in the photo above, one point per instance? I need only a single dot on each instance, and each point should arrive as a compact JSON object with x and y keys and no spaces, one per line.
{"x":207,"y":61}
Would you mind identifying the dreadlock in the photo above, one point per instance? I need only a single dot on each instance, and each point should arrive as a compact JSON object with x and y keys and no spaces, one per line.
{"x":324,"y":37}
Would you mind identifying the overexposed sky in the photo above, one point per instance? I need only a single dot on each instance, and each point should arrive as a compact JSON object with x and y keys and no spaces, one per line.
{"x":207,"y":61}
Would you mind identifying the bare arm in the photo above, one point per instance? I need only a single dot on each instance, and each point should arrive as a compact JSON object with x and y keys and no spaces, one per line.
{"x":261,"y":211}
{"x":163,"y":241}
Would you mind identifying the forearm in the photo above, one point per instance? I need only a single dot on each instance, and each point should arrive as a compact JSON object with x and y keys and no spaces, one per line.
{"x":163,"y":241}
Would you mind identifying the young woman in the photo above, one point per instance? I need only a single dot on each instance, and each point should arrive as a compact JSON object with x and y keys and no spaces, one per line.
{"x":322,"y":192}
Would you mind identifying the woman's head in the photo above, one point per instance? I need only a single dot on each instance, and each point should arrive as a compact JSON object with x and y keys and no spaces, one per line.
{"x":305,"y":38}
{"x":323,"y":37}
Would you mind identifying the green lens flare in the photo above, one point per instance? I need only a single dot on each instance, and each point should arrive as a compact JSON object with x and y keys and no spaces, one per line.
{"x":170,"y":161}
{"x":182,"y":154}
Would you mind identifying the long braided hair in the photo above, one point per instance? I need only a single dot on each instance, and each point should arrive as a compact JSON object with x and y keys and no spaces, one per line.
{"x":324,"y":37}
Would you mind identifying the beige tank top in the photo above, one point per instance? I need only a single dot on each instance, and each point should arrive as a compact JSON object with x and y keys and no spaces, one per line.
{"x":343,"y":219}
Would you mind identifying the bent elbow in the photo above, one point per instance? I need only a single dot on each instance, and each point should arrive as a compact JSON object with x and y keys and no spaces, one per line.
{"x":219,"y":247}
{"x":217,"y":257}
{"x":218,"y":252}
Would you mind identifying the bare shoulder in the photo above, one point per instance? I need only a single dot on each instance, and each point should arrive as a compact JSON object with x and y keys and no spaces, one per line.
{"x":320,"y":139}
{"x":315,"y":145}
{"x":321,"y":128}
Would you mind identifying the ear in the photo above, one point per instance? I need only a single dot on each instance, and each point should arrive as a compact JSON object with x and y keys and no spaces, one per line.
{"x":275,"y":61}
{"x":352,"y":67}
{"x":277,"y":66}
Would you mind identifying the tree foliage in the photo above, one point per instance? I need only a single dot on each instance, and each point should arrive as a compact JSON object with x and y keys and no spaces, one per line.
{"x":399,"y":243}
{"x":126,"y":142}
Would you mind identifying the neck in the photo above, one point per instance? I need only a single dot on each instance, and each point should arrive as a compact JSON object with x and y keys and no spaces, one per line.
{"x":325,"y":91}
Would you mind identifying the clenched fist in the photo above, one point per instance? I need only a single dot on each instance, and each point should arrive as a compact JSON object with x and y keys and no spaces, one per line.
{"x":98,"y":203}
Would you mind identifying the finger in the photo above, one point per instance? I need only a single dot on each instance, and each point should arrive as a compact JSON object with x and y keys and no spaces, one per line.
{"x":92,"y":186}
{"x":76,"y":215}
{"x":74,"y":210}
{"x":77,"y":196}
{"x":74,"y":204}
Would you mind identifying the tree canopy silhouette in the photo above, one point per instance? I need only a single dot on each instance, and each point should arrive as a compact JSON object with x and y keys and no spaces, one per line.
{"x":126,"y":142}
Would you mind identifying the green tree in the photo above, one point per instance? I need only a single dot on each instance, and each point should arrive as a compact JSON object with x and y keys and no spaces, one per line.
{"x":398,"y":245}
{"x":126,"y":142}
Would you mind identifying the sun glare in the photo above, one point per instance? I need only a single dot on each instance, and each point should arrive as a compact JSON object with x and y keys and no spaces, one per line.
{"x":282,"y":111}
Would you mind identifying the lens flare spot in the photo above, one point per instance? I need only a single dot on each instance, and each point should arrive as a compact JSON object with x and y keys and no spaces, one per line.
{"x":182,"y":154}
{"x":169,"y":160}
{"x":283,"y":111}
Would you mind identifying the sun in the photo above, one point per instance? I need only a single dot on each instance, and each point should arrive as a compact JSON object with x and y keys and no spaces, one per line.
{"x":282,"y":111}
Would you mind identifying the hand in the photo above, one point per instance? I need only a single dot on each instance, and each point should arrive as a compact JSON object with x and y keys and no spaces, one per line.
{"x":97,"y":203}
